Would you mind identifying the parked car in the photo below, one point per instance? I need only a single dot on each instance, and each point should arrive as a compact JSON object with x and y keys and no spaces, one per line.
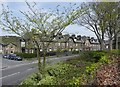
{"x":12,"y":57}
{"x":18,"y":58}
{"x":6,"y":56}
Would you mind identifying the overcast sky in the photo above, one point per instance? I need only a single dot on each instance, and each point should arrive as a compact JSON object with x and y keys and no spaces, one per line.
{"x":16,"y":6}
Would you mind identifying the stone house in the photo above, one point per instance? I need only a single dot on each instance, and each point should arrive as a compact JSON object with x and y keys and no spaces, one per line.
{"x":64,"y":42}
{"x":94,"y":44}
{"x":61,"y":42}
{"x":9,"y":48}
{"x":10,"y":44}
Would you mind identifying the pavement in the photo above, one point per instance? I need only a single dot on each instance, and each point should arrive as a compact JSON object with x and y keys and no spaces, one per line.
{"x":13,"y":72}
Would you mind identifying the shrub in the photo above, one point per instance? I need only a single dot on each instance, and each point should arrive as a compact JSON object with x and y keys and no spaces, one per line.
{"x":32,"y":80}
{"x":48,"y":80}
{"x":104,"y":60}
{"x":27,"y":55}
{"x":51,"y":53}
{"x":58,"y":70}
{"x":91,"y":69}
{"x":75,"y":52}
{"x":114,"y":51}
{"x":92,"y":55}
{"x":90,"y":72}
{"x":74,"y":81}
{"x":97,"y":55}
{"x":85,"y":54}
{"x":28,"y":82}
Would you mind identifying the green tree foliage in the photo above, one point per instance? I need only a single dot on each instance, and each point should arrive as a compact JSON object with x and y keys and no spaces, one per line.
{"x":40,"y":26}
{"x":109,"y":21}
{"x":103,"y":19}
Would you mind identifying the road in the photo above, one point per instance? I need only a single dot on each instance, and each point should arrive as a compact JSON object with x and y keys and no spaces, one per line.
{"x":14,"y":74}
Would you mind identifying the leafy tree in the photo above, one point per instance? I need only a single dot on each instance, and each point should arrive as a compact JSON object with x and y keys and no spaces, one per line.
{"x":40,"y":26}
{"x":91,"y":20}
{"x":110,"y":19}
{"x":102,"y":19}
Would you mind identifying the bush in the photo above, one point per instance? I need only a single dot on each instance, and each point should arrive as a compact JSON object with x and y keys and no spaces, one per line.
{"x":85,"y":54}
{"x":51,"y":53}
{"x":74,"y":81}
{"x":75,"y":52}
{"x":104,"y":60}
{"x":92,"y":55}
{"x":54,"y":75}
{"x":91,"y":69}
{"x":97,"y":55}
{"x":32,"y":80}
{"x":114,"y":51}
{"x":48,"y":80}
{"x":58,"y":70}
{"x":90,"y":72}
{"x":28,"y":82}
{"x":27,"y":55}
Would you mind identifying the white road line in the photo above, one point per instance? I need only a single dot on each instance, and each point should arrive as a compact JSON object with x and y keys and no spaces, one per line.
{"x":19,"y":65}
{"x":30,"y":69}
{"x":9,"y":75}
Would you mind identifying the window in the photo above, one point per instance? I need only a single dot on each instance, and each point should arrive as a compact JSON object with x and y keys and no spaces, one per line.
{"x":50,"y":49}
{"x":11,"y":51}
{"x":76,"y":44}
{"x":22,"y":44}
{"x":58,"y":44}
{"x":67,"y":44}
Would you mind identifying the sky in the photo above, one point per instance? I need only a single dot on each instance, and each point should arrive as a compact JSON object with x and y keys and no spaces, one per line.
{"x":21,"y":5}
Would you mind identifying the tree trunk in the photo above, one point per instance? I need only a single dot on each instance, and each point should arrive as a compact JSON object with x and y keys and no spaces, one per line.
{"x":39,"y":60}
{"x":65,"y":45}
{"x":28,"y":50}
{"x":44,"y":59}
{"x":102,"y":45}
{"x":110,"y":44}
{"x":116,"y":42}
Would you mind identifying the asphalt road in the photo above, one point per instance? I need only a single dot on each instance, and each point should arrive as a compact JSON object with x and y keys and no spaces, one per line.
{"x":6,"y":63}
{"x":16,"y":73}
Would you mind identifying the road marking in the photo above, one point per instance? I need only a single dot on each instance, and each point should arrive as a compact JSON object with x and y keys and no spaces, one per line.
{"x":9,"y":75}
{"x":29,"y":69}
{"x":19,"y":65}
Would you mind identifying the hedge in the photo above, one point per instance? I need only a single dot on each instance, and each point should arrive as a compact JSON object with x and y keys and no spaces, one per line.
{"x":27,"y":55}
